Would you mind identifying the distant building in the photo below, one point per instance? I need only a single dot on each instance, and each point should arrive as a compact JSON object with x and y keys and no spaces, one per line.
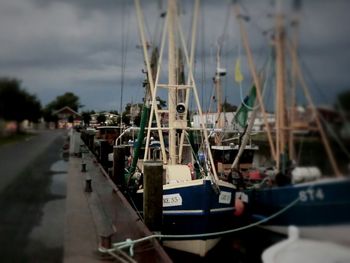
{"x":304,"y":120}
{"x":227,"y":119}
{"x":211,"y":119}
{"x":111,"y":118}
{"x":67,"y":117}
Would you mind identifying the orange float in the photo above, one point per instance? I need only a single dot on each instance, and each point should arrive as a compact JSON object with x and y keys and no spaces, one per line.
{"x":239,"y":207}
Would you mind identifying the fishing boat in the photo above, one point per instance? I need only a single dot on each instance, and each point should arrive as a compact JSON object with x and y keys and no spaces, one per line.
{"x":291,"y":194}
{"x":196,"y":203}
{"x":225,"y":137}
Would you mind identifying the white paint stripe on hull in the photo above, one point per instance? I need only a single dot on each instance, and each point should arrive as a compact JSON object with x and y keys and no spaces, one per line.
{"x":222,"y":209}
{"x":183,"y":212}
{"x":214,"y":210}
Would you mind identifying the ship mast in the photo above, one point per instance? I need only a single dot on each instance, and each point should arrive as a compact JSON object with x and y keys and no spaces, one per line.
{"x":295,"y":27}
{"x":217,"y":82}
{"x":177,"y":110}
{"x":280,"y":112}
{"x":297,"y":75}
{"x":255,"y":76}
{"x":172,"y":95}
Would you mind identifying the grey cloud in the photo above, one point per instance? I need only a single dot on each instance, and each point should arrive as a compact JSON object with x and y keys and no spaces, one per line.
{"x":55,"y":45}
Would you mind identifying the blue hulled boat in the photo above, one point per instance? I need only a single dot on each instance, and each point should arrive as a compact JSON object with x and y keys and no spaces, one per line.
{"x":195,"y":208}
{"x":195,"y":201}
{"x":320,"y":209}
{"x":289,"y":193}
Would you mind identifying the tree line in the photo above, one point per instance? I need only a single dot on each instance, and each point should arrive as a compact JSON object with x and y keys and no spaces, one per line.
{"x":17,"y":104}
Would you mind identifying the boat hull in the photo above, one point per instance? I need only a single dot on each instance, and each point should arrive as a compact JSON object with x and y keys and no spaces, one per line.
{"x":197,"y":246}
{"x":322,"y":209}
{"x":192,"y":209}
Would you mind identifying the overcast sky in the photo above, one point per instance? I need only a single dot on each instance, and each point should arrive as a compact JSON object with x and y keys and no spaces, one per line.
{"x":55,"y":46}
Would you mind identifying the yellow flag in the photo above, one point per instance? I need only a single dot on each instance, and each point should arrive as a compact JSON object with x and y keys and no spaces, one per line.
{"x":238,"y":73}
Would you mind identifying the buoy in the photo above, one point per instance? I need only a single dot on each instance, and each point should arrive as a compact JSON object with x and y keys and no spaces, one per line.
{"x":239,"y":207}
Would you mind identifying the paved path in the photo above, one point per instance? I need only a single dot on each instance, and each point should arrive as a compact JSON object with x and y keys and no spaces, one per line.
{"x":16,"y":157}
{"x":32,"y":199}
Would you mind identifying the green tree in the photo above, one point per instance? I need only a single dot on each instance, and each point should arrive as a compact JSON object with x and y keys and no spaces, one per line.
{"x":228,"y":107}
{"x":101,"y":118}
{"x":48,"y":116}
{"x":132,"y":112}
{"x":86,"y":117}
{"x":344,"y":101}
{"x":127,"y":114}
{"x":16,"y":103}
{"x":67,"y":99}
{"x":33,"y":108}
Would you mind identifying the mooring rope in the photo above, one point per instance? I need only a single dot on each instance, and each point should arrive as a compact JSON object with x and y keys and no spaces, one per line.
{"x":129,"y":243}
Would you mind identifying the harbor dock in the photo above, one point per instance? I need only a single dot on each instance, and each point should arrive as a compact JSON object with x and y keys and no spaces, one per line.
{"x":99,"y":216}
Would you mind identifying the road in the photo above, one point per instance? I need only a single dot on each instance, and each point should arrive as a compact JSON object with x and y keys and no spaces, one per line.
{"x":32,"y":198}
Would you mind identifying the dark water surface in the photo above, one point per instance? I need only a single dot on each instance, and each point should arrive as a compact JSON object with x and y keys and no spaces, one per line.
{"x":242,"y":247}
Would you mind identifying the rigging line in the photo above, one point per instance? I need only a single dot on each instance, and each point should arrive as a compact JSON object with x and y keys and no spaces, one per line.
{"x":256,"y":79}
{"x":211,"y":98}
{"x":301,"y":145}
{"x":189,"y":33}
{"x":224,"y":31}
{"x":307,"y":95}
{"x":335,"y":137}
{"x":157,"y":32}
{"x":203,"y":60}
{"x":121,"y":71}
{"x":125,"y":38}
{"x":264,"y":88}
{"x":312,"y":79}
{"x":253,"y":22}
{"x":148,"y":31}
{"x":248,"y":16}
{"x":189,"y":64}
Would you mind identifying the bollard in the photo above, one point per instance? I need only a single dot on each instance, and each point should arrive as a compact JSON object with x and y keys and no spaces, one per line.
{"x":105,"y":149}
{"x":106,"y":241}
{"x":84,"y":153}
{"x":83,"y":167}
{"x":118,"y":165}
{"x":153,"y":195}
{"x":91,"y":141}
{"x":88,"y":183}
{"x":81,"y":150}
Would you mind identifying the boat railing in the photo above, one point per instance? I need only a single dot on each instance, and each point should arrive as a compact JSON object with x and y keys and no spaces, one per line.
{"x":118,"y":140}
